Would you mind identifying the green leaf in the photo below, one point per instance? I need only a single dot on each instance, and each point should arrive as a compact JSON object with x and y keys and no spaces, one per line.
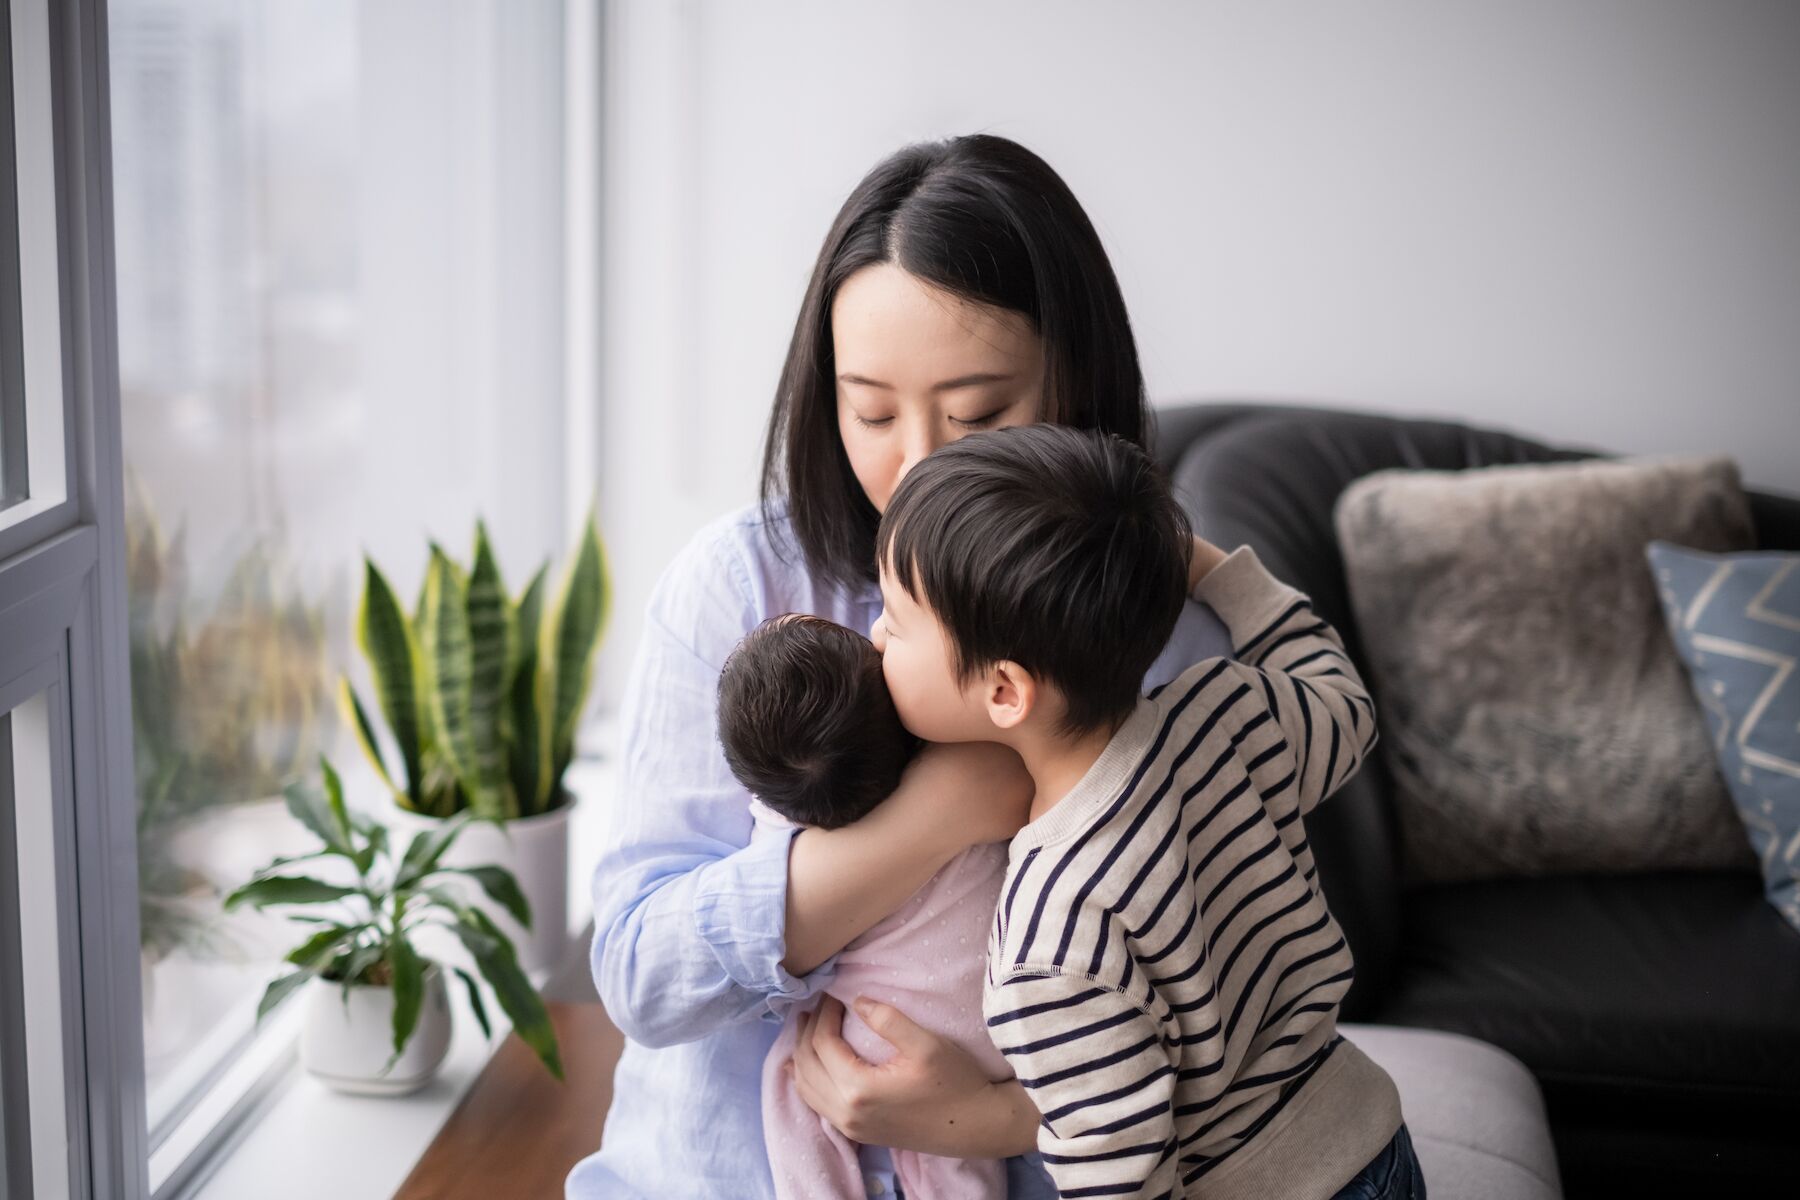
{"x":352,"y":965}
{"x":528,"y":746}
{"x":527,"y":619}
{"x":427,"y":847}
{"x":278,"y":991}
{"x":475,"y":1002}
{"x":386,"y":640}
{"x":409,"y":992}
{"x":358,"y":719}
{"x":449,"y":671}
{"x":501,"y":887}
{"x":494,"y":958}
{"x":288,"y":860}
{"x":489,"y":619}
{"x":334,"y":802}
{"x":286,"y":889}
{"x":314,"y":812}
{"x":581,"y":615}
{"x":374,"y":848}
{"x":322,"y":945}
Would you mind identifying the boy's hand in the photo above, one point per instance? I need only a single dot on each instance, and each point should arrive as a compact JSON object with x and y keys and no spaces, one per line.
{"x":969,"y":792}
{"x":1206,"y":556}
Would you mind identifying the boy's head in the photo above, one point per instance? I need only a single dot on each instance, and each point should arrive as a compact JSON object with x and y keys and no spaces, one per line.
{"x":1029,"y":570}
{"x":807,"y":723}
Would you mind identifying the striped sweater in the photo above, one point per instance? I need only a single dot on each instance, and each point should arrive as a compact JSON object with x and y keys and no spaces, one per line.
{"x":1163,"y":974}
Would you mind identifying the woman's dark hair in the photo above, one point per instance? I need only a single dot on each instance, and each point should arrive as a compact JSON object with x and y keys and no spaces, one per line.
{"x":1059,"y":550}
{"x":807,"y":724}
{"x":987,"y":220}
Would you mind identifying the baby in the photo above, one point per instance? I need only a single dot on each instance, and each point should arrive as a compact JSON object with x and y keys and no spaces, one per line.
{"x":808,"y":727}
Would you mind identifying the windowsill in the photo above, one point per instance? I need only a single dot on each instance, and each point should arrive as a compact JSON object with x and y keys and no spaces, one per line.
{"x":308,"y":1140}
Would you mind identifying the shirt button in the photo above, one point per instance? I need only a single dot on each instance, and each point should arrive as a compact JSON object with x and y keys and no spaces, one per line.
{"x":877,"y":1188}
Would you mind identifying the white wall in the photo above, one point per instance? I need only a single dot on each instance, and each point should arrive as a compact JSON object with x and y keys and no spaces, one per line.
{"x":1575,"y":218}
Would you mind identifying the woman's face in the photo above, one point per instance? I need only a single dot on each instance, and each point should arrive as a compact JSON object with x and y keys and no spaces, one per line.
{"x":919,"y":367}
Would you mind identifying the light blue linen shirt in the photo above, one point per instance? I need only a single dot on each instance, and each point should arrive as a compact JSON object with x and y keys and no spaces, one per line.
{"x":689,"y":912}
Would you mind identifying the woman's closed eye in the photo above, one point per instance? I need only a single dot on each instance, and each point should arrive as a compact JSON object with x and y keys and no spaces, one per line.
{"x":980,"y":422}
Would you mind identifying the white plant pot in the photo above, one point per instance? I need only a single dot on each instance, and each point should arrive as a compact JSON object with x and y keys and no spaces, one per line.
{"x":346,"y":1043}
{"x":536,"y":850}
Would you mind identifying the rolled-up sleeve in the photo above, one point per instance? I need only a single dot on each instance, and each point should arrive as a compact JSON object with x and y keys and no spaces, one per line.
{"x":689,"y":914}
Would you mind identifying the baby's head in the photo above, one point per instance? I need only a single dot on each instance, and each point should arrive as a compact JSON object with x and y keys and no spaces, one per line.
{"x":807,"y":723}
{"x":1026,"y":573}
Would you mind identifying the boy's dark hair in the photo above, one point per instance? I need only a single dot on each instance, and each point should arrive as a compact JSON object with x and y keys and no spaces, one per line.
{"x":807,"y":722}
{"x":1057,"y":549}
{"x":985,"y":219}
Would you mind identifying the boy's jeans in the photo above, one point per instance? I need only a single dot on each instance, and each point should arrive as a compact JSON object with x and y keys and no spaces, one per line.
{"x":1393,"y":1175}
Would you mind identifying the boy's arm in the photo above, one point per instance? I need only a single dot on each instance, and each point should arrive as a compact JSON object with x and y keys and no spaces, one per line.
{"x":1297,"y":664}
{"x":1093,"y":1063}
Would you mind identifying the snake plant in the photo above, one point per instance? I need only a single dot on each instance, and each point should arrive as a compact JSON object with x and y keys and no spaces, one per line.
{"x":480,"y":693}
{"x":367,"y":939}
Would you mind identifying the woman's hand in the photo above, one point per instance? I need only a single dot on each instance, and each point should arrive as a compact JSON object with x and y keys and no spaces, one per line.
{"x":931,"y":1097}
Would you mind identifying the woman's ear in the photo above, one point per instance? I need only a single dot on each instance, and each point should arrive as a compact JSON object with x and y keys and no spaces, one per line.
{"x":1010,"y":694}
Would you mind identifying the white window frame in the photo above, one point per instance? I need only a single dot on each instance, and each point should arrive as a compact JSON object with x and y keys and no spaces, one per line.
{"x":62,"y":582}
{"x":49,"y":454}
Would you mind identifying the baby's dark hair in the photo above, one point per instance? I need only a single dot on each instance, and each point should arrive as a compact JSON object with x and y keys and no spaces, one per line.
{"x":1055,"y":548}
{"x":807,"y":722}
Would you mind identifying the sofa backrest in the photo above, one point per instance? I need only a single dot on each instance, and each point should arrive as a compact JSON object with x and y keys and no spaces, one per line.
{"x":1269,"y":476}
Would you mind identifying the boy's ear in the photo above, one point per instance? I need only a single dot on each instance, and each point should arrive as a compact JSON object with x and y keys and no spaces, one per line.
{"x":1011,"y":694}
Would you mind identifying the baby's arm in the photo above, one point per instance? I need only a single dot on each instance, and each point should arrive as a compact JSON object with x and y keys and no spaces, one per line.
{"x":842,"y":882}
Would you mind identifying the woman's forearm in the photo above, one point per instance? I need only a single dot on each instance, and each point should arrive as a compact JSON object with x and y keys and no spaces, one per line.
{"x":1007,"y":1126}
{"x":842,"y":882}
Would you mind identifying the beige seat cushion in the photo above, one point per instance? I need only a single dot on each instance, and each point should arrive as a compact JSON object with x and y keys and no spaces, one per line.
{"x":1475,"y":1114}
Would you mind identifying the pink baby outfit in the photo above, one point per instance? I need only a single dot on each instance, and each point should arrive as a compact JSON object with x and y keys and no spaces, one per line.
{"x":928,"y":960}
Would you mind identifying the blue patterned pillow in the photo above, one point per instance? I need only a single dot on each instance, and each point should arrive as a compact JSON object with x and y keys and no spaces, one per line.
{"x":1736,"y":623}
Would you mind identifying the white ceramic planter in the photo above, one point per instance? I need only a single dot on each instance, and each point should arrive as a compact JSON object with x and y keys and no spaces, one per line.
{"x":536,"y":851}
{"x":346,"y":1044}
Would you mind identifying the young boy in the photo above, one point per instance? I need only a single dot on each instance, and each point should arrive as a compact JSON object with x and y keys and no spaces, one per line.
{"x":1163,"y":974}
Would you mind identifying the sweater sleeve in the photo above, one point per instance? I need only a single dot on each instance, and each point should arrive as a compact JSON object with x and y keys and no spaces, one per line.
{"x":1297,"y":663}
{"x":689,"y":914}
{"x":1093,"y":1062}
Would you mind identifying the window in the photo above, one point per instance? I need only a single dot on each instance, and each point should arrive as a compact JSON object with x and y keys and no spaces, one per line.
{"x":333,"y":238}
{"x":71,"y":1100}
{"x":34,"y":1125}
{"x":33,"y":463}
{"x":340,"y":274}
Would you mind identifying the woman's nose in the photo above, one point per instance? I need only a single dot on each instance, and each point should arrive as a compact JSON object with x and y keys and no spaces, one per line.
{"x":878,"y":633}
{"x":918,"y":447}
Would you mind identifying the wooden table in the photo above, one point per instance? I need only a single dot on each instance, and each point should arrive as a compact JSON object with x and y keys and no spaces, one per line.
{"x":518,"y":1132}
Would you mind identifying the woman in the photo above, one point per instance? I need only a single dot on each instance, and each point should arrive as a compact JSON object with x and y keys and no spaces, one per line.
{"x":960,"y":288}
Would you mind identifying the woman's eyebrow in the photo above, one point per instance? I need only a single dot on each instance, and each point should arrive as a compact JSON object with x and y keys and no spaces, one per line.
{"x":948,"y":385}
{"x":848,"y":377}
{"x":963,"y":381}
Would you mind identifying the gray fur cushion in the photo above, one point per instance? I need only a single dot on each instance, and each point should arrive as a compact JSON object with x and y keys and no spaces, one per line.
{"x":1532,"y":707}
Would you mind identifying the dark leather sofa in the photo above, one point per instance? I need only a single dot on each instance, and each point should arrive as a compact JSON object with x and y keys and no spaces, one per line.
{"x":1660,"y":1012}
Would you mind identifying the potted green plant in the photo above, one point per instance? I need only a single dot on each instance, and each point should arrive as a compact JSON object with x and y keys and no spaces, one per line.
{"x":377,"y":1018}
{"x":480,"y":694}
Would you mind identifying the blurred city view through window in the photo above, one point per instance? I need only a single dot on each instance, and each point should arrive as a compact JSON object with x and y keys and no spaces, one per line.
{"x":338,"y":335}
